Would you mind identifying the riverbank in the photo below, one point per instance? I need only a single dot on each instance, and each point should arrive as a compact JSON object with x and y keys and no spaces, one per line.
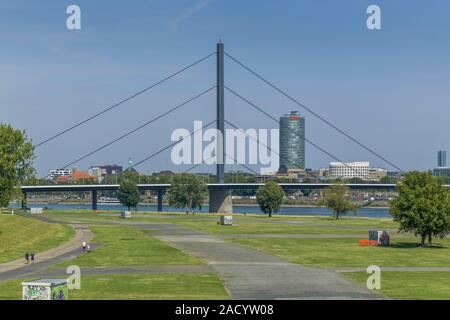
{"x":244,"y":209}
{"x":88,"y":203}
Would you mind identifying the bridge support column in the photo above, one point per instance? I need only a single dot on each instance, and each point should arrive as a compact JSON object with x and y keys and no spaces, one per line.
{"x":160,"y":200}
{"x":220,"y":167}
{"x":24,"y":201}
{"x":94,"y":200}
{"x":220,"y":201}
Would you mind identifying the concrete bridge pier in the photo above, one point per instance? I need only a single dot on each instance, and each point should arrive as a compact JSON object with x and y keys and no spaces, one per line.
{"x":220,"y":201}
{"x":160,"y":200}
{"x":24,"y":201}
{"x":94,"y":200}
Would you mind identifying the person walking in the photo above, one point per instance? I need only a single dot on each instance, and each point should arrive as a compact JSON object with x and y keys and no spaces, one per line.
{"x":83,"y":245}
{"x":88,"y":247}
{"x":27,"y":257}
{"x":32,"y":255}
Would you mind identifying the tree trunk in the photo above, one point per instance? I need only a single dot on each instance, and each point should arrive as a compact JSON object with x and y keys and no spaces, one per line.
{"x":430,"y":239}
{"x":270,"y":214}
{"x":424,"y":236}
{"x":337,"y":215}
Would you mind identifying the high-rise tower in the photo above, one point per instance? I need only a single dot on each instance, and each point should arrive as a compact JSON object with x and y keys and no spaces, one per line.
{"x":442,"y":159}
{"x":292,"y":141}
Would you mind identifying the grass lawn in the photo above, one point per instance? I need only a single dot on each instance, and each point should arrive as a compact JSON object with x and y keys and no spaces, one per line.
{"x":422,"y":285}
{"x":243,"y":225}
{"x":128,"y":246}
{"x":161,"y":286}
{"x":19,"y":234}
{"x":336,"y":253}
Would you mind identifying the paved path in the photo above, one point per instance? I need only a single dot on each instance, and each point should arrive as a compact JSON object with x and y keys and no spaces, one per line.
{"x":129,"y":270}
{"x":403,"y":269}
{"x":250,"y":274}
{"x":68,"y":250}
{"x":292,"y":236}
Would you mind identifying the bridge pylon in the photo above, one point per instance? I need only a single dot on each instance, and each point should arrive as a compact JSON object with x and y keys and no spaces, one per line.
{"x":220,"y":199}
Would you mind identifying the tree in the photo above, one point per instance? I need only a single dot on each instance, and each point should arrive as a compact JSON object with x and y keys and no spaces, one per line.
{"x":16,"y":159}
{"x":128,"y":193}
{"x":269,"y":197}
{"x":335,"y":199}
{"x":129,"y":175}
{"x":187,"y":191}
{"x":422,"y":206}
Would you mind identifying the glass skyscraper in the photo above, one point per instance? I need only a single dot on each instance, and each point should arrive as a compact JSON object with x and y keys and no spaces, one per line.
{"x":442,"y":159}
{"x":292,"y":141}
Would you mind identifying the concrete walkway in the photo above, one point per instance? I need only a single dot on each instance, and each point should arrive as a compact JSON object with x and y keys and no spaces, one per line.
{"x":292,"y":236}
{"x":403,"y":269}
{"x":66,"y":251}
{"x":49,"y":273}
{"x":250,"y":274}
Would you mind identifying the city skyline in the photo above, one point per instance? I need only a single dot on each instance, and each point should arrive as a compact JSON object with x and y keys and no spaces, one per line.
{"x":362,"y":80}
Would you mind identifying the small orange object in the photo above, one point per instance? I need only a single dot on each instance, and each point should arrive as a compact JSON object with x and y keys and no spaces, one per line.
{"x":363,"y":243}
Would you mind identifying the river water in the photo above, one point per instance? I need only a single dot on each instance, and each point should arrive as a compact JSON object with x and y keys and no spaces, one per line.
{"x":290,"y":210}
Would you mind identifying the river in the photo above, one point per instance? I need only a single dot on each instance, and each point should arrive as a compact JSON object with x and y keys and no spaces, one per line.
{"x":287,"y":210}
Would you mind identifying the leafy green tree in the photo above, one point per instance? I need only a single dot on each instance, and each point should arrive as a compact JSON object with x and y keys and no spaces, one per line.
{"x":355,"y":180}
{"x":129,"y":175}
{"x":422,"y":206}
{"x":187,"y":191}
{"x":128,"y":193}
{"x":269,"y":197}
{"x":335,"y":198}
{"x":16,"y":159}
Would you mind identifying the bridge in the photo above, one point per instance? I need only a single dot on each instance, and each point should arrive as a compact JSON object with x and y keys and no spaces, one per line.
{"x":216,"y":205}
{"x":220,"y":195}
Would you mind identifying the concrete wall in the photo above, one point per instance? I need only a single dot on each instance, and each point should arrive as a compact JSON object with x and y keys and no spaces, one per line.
{"x":220,"y":201}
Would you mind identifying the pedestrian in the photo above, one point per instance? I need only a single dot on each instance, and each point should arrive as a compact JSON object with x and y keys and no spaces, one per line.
{"x":83,"y":245}
{"x":88,"y":247}
{"x":32,"y":255}
{"x":27,"y":257}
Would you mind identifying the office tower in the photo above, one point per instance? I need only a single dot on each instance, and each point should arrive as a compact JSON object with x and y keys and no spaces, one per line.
{"x":442,"y":159}
{"x":292,"y":141}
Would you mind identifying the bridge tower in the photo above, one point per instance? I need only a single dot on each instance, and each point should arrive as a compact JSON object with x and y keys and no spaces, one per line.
{"x":220,"y":199}
{"x":220,"y":114}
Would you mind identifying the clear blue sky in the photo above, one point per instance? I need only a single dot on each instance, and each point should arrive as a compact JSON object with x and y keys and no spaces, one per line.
{"x":389,"y":88}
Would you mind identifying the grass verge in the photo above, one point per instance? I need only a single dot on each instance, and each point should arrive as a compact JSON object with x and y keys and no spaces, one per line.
{"x":128,"y":246}
{"x":335,"y":253}
{"x":19,"y":234}
{"x":420,"y":285}
{"x":158,"y":286}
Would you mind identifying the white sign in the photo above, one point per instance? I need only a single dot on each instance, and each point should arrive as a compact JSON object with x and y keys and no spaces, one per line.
{"x":125,"y":214}
{"x":36,"y":292}
{"x":226,"y":220}
{"x":36,"y":210}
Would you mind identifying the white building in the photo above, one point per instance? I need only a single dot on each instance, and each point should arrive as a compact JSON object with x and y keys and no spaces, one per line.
{"x":55,"y":173}
{"x":348,"y":170}
{"x":377,"y":174}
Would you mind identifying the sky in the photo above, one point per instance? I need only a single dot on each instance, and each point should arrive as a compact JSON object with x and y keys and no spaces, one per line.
{"x":388,"y":88}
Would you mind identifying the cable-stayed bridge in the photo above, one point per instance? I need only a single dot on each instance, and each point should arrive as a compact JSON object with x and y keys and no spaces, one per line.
{"x":161,"y":188}
{"x":220,"y":197}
